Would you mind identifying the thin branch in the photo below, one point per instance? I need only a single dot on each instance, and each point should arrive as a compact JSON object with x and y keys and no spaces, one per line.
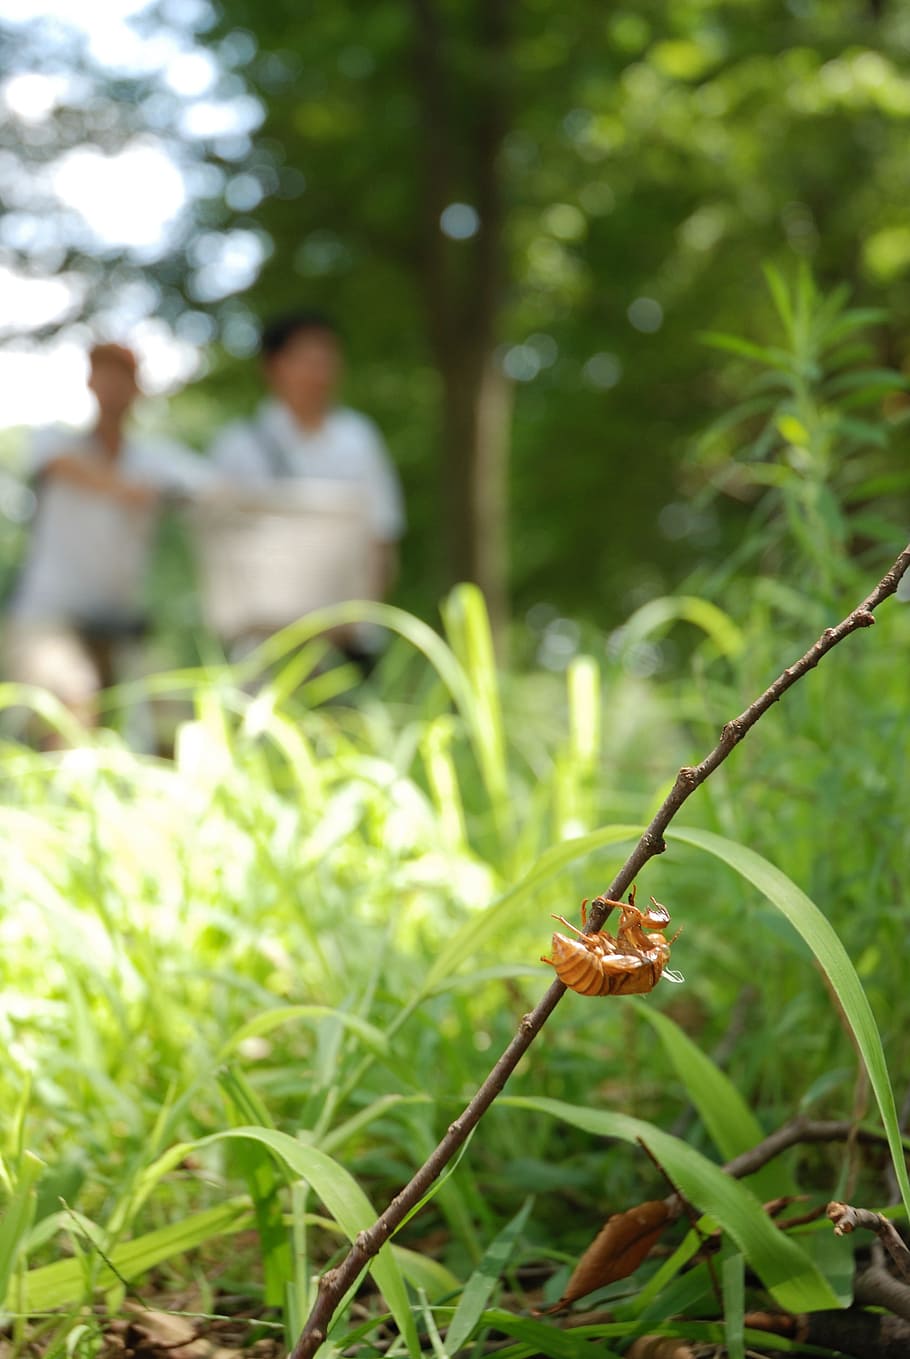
{"x":875,"y":1287}
{"x":691,"y":777}
{"x":847,"y":1219}
{"x":335,"y":1282}
{"x":798,"y":1131}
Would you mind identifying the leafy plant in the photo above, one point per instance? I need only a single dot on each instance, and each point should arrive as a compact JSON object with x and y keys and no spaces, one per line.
{"x":802,"y":436}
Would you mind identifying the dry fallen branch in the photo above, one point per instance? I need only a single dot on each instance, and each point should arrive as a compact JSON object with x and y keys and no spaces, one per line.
{"x":864,"y":1335}
{"x":797,"y":1132}
{"x":335,"y":1282}
{"x":846,"y":1219}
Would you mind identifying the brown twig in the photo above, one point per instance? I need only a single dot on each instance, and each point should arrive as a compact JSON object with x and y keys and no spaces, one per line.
{"x":335,"y":1282}
{"x":799,"y":1130}
{"x":875,"y":1287}
{"x":846,"y":1219}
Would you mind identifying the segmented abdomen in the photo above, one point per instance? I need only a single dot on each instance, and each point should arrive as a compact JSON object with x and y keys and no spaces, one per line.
{"x":577,"y":967}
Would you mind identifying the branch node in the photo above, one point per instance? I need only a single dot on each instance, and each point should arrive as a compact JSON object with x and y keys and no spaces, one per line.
{"x":526,"y":1024}
{"x":865,"y":619}
{"x":733,"y":731}
{"x":688,"y":776}
{"x":842,"y":1216}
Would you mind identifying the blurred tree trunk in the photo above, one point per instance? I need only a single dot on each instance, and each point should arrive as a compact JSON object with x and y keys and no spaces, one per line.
{"x":463,"y":284}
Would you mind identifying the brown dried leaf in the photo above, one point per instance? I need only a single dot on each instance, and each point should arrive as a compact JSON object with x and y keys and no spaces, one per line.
{"x":151,"y":1328}
{"x":616,"y":1252}
{"x":659,"y":1347}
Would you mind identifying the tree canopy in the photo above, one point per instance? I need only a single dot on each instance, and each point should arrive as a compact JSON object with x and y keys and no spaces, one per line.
{"x":524,"y":217}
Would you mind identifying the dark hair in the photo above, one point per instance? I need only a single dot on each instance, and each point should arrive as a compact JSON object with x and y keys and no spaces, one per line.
{"x":282,"y":329}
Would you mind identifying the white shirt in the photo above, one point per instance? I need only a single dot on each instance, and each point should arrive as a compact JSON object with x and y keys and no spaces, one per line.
{"x":88,"y":553}
{"x":347,"y":447}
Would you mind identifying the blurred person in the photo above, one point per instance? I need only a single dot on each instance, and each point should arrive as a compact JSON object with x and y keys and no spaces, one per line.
{"x":76,"y":613}
{"x":300,"y":435}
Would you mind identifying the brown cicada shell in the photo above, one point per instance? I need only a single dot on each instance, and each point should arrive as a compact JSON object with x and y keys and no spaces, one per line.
{"x":629,"y":964}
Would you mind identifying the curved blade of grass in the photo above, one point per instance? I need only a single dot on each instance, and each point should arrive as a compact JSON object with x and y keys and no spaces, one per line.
{"x":268,"y":1020}
{"x":47,"y":707}
{"x":17,"y":1218}
{"x":478,"y":929}
{"x":658,"y":614}
{"x":338,"y":1190}
{"x":832,"y":958}
{"x":729,"y":1121}
{"x":63,"y":1282}
{"x":332,"y":1140}
{"x":478,"y":1289}
{"x":784,"y":1268}
{"x":347,"y":1203}
{"x":422,"y":1271}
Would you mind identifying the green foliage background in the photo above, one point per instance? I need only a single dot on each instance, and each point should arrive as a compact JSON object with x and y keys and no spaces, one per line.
{"x":251,"y":985}
{"x":660,"y":152}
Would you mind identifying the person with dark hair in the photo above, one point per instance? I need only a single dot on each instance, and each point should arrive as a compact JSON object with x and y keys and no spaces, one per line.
{"x":77,"y":604}
{"x":301,"y":440}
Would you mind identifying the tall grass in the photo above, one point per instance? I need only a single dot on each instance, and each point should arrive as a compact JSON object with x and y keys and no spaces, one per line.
{"x":244,"y":990}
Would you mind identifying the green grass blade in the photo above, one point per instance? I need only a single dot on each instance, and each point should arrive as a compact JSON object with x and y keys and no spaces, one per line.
{"x":728,"y":1120}
{"x":17,"y":1217}
{"x":467,"y":626}
{"x":263,"y":1181}
{"x":61,"y":1283}
{"x":583,"y":692}
{"x":659,"y":614}
{"x":780,"y":1263}
{"x":422,"y":1271}
{"x":733,"y":1289}
{"x":832,"y":957}
{"x":479,"y":1288}
{"x":332,"y":1140}
{"x":346,"y":1202}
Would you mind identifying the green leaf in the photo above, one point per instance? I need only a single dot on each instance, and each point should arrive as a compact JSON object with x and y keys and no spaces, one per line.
{"x":733,"y":1288}
{"x":467,"y":626}
{"x":779,"y":292}
{"x":793,"y":430}
{"x":832,"y":957}
{"x":659,"y":614}
{"x":542,"y":1337}
{"x":480,"y":1286}
{"x":784,"y":1268}
{"x":422,"y":1271}
{"x":62,"y":1283}
{"x":730,"y":1123}
{"x":348,"y":1205}
{"x":263,"y":1180}
{"x":881,"y":379}
{"x":17,"y":1217}
{"x":770,"y":356}
{"x":337,"y":1189}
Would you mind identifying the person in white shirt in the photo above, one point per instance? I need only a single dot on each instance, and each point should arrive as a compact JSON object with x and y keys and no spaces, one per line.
{"x":299,"y":435}
{"x":77,"y":605}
